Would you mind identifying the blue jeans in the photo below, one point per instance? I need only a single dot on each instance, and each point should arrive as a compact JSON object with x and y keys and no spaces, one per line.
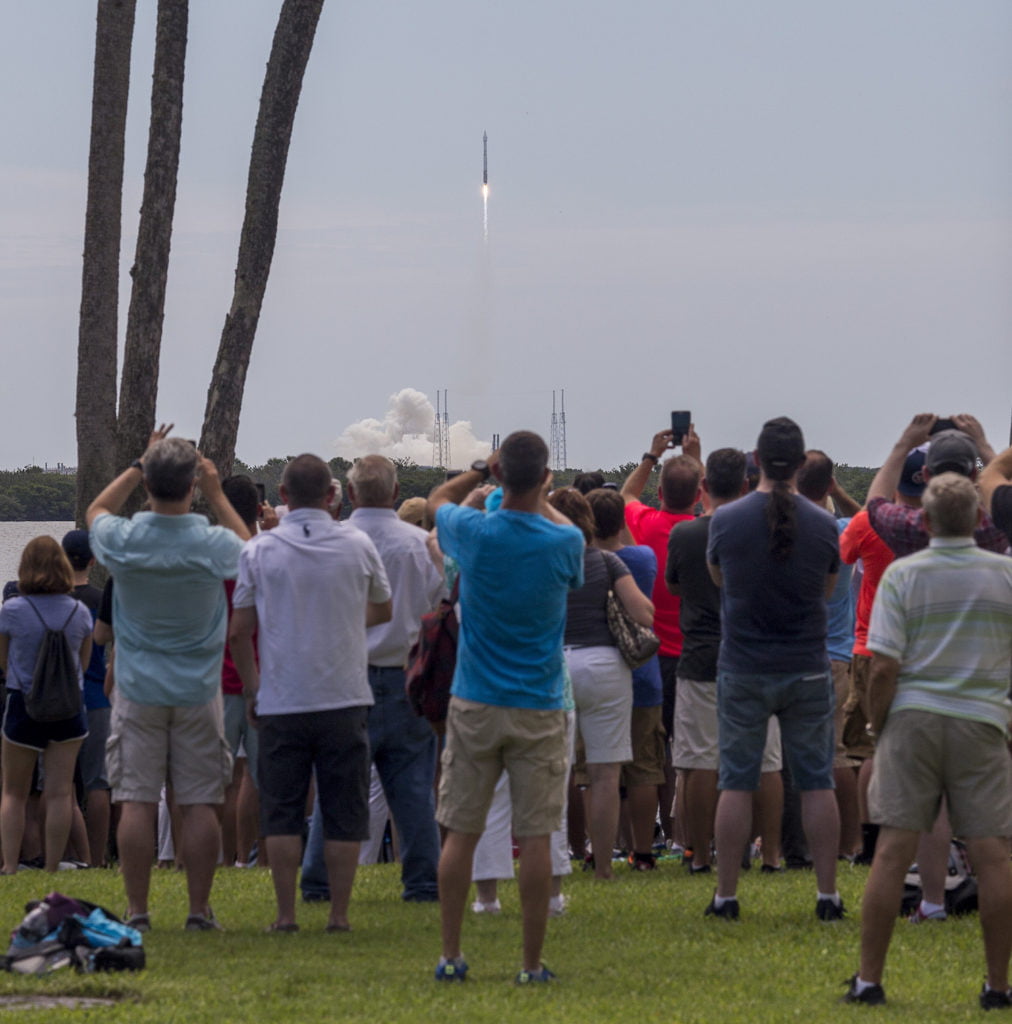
{"x":804,"y":703}
{"x":403,"y":749}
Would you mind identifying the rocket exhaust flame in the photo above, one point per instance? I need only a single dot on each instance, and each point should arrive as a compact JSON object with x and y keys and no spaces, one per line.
{"x":484,"y":180}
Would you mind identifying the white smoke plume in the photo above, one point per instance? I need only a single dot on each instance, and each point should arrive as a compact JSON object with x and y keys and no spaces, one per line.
{"x":405,"y":432}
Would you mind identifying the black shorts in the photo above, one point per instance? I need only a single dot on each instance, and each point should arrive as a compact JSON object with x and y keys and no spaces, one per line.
{"x":334,"y":745}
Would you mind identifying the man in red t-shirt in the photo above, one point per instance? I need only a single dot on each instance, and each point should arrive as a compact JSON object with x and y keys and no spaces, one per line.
{"x":679,"y":493}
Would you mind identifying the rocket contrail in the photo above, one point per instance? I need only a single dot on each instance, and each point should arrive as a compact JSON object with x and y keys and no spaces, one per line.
{"x":484,"y":179}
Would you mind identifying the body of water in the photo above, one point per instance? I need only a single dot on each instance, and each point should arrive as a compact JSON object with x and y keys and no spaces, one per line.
{"x":14,"y":537}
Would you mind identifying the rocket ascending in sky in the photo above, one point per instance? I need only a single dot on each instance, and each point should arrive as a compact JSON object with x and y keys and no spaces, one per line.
{"x":484,"y":158}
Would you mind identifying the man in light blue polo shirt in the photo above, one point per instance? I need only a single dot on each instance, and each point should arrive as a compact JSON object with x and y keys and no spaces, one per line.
{"x":169,"y":620}
{"x":517,"y":566}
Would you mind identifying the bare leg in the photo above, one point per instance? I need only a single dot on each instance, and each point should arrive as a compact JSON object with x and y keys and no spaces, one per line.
{"x":883,"y":894}
{"x":286,"y":855}
{"x":990,"y":860}
{"x":342,"y":860}
{"x":97,"y":816}
{"x":641,"y":802}
{"x":201,"y":844}
{"x":59,"y":760}
{"x":18,"y":764}
{"x":933,"y":858}
{"x":821,"y":821}
{"x":455,"y":864}
{"x":487,"y":890}
{"x":535,"y":891}
{"x":602,"y":804}
{"x":846,"y":802}
{"x":136,"y":840}
{"x":701,"y":807}
{"x":229,"y":815}
{"x":576,"y":821}
{"x":771,"y":815}
{"x":734,"y":820}
{"x":248,"y":815}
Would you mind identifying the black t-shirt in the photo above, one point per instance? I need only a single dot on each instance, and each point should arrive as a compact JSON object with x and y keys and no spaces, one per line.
{"x":699,"y":617}
{"x":1001,"y":509}
{"x":105,"y":605}
{"x":89,"y":596}
{"x":586,"y":609}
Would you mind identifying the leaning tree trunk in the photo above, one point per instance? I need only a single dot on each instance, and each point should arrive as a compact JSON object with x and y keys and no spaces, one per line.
{"x":293,"y":41}
{"x":139,"y":385}
{"x":96,"y":345}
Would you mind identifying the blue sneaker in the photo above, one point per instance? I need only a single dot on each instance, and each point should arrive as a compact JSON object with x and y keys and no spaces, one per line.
{"x":531,"y":977}
{"x":451,"y":970}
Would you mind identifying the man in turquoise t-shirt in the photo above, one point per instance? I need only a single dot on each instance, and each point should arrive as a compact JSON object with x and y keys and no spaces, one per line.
{"x":169,"y":618}
{"x":517,"y":565}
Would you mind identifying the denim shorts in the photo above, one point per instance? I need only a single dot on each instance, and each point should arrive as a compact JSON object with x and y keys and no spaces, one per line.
{"x":804,"y":704}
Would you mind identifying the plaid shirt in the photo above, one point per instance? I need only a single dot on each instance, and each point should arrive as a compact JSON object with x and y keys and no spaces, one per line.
{"x":902,"y":528}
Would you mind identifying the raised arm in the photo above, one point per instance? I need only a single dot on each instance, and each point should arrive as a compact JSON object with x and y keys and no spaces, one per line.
{"x":210,"y":486}
{"x":844,"y":502}
{"x":887,"y":479}
{"x":632,"y":489}
{"x":115,"y":494}
{"x":996,"y":473}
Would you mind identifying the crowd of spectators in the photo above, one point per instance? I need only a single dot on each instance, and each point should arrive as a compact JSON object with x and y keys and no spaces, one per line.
{"x":832,"y":682}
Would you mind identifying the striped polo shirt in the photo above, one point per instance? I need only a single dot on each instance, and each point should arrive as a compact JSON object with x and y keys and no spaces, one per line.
{"x":945,"y":613}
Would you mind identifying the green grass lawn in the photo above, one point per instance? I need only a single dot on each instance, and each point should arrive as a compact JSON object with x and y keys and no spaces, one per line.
{"x":637,"y":950}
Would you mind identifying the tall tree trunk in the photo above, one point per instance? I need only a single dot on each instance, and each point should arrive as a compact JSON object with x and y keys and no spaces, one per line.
{"x":293,"y":41}
{"x":97,"y":331}
{"x":139,"y":384}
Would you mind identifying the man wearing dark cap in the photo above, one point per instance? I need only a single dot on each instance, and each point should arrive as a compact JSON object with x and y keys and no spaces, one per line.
{"x":949,"y":451}
{"x":775,"y":556}
{"x":91,"y":759}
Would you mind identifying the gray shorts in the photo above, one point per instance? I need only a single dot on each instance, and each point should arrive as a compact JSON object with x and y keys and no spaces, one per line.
{"x":242,"y":739}
{"x":921,"y":755}
{"x":92,"y":755}
{"x":150,"y":745}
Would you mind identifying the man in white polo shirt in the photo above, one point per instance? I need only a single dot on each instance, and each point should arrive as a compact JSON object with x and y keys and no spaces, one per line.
{"x":309,"y":588}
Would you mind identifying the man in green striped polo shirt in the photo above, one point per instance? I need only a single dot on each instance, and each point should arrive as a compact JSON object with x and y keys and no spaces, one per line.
{"x":941,"y":634}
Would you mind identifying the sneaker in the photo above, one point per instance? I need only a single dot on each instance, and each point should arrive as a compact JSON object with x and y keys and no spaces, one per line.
{"x":557,"y":905}
{"x":827,"y":910}
{"x":139,"y":922}
{"x":203,"y":922}
{"x":919,"y":917}
{"x":699,"y":869}
{"x":495,"y":907}
{"x":729,"y":910}
{"x":771,"y":869}
{"x":992,"y":999}
{"x":533,"y":977}
{"x":451,"y":970}
{"x":873,"y":995}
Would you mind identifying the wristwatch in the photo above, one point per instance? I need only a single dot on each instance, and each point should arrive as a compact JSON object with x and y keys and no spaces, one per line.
{"x":481,"y":466}
{"x":653,"y":458}
{"x":137,"y":464}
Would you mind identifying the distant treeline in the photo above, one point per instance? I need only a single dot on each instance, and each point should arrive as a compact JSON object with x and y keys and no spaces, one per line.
{"x":33,"y":495}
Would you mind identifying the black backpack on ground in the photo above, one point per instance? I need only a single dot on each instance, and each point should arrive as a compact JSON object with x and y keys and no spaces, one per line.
{"x":55,"y":693}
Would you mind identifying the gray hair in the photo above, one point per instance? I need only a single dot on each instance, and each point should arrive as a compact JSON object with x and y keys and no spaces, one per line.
{"x":335,"y":502}
{"x":374,"y":478}
{"x":170,"y":467}
{"x":950,"y":505}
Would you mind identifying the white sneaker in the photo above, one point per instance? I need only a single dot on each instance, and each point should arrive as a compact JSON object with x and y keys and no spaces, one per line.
{"x":557,"y":906}
{"x":495,"y":907}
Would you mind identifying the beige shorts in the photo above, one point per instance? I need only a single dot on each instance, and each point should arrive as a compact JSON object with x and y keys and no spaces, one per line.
{"x":481,"y":741}
{"x":696,"y":741}
{"x":841,"y":690}
{"x":150,"y":746}
{"x":648,"y":748}
{"x":856,"y":741}
{"x":922,"y":755}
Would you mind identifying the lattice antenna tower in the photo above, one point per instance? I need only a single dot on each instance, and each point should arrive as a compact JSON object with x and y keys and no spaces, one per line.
{"x":557,"y":444}
{"x":441,"y":433}
{"x":446,"y":432}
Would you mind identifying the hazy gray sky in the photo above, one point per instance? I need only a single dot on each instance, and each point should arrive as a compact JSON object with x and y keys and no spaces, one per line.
{"x":746,"y":209}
